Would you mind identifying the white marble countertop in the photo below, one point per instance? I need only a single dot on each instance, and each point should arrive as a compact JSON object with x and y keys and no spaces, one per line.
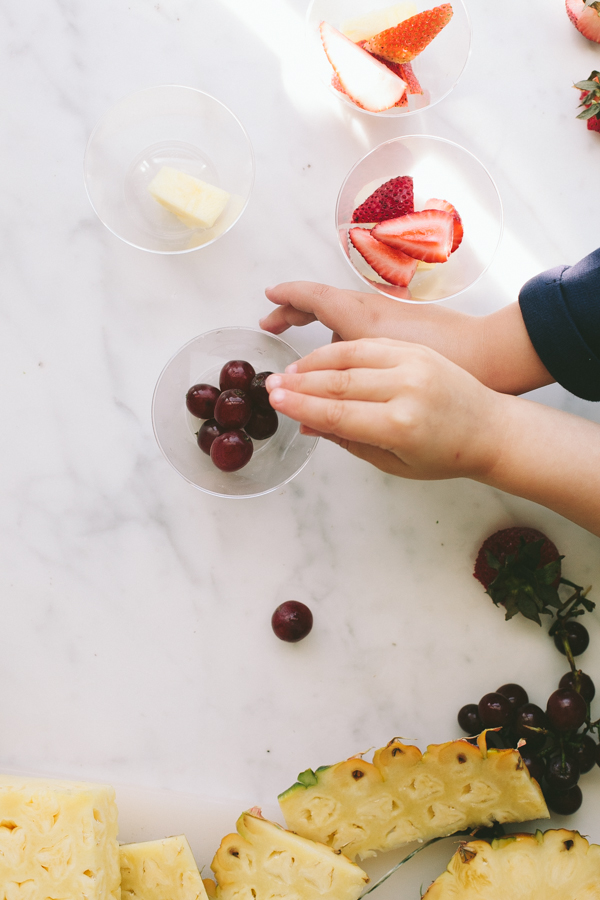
{"x":135,"y":644}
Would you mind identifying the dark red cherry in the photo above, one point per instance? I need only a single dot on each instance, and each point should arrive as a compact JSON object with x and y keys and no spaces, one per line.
{"x":535,"y":764}
{"x":237,"y":374}
{"x":565,"y":803}
{"x":233,"y":409}
{"x":200,"y":400}
{"x":530,"y":717}
{"x":258,"y":392}
{"x":231,"y":451}
{"x":495,"y":710}
{"x":578,"y":637}
{"x":515,"y":694}
{"x":580,"y":682}
{"x":468,"y":719}
{"x":562,"y":772}
{"x":292,"y":621}
{"x":585,"y":753}
{"x":262,"y":424}
{"x":209,"y":430}
{"x":566,"y":710}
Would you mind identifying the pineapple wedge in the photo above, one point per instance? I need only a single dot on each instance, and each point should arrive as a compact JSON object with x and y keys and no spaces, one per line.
{"x":58,"y":839}
{"x":160,"y":870}
{"x":555,"y":865}
{"x":404,"y":795}
{"x":263,"y":861}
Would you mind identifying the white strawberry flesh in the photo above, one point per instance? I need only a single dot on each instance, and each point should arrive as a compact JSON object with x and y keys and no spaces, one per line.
{"x":426,"y":235}
{"x":391,"y":264}
{"x":368,"y":83}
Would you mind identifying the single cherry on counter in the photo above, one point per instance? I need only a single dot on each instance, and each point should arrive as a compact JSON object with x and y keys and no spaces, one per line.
{"x":292,"y":621}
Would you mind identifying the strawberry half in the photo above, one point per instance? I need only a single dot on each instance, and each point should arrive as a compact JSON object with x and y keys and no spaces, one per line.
{"x":590,"y":100}
{"x":520,"y":570}
{"x":405,"y":41}
{"x":585,"y":16}
{"x":425,"y":235}
{"x":392,"y":265}
{"x":367,"y":82}
{"x":403,"y":71}
{"x":458,"y":228}
{"x":392,"y":199}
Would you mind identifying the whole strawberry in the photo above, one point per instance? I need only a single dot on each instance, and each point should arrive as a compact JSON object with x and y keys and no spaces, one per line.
{"x":520,"y":569}
{"x":590,"y":100}
{"x":392,"y":199}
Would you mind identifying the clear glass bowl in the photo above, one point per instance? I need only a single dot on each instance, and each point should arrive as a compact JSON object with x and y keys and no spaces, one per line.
{"x":168,"y":125}
{"x":274,"y":462}
{"x":443,"y":170}
{"x":437,"y":68}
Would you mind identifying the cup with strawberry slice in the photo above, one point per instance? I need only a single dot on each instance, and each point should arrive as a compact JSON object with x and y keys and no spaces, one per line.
{"x":419,"y":219}
{"x":388,"y":59}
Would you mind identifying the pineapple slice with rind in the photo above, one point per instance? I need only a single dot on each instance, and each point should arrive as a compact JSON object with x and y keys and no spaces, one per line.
{"x":58,"y":839}
{"x":555,"y":865}
{"x":404,"y":795}
{"x":263,"y":861}
{"x":160,"y":870}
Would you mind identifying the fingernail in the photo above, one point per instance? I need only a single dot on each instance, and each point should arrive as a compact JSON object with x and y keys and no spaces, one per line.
{"x":292,"y":368}
{"x":262,"y":321}
{"x":309,"y":432}
{"x":277,"y":396}
{"x":273,"y":381}
{"x":270,"y":288}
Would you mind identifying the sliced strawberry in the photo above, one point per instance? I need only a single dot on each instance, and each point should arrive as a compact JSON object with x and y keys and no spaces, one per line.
{"x":405,"y":41}
{"x":403,"y":71}
{"x":426,"y":235}
{"x":392,"y":265}
{"x":368,"y":83}
{"x":458,"y":228}
{"x":392,"y":199}
{"x":586,"y":19}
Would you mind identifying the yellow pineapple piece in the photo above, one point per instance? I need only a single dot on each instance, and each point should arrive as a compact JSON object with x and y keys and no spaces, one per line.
{"x":195,"y":202}
{"x":263,"y":861}
{"x":160,"y":870}
{"x":554,"y":865}
{"x":404,"y":795}
{"x":58,"y":839}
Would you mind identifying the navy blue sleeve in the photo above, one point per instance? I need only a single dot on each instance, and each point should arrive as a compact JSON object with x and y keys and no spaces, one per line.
{"x":561,"y":311}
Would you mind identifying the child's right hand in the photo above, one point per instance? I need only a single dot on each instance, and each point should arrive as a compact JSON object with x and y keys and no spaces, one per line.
{"x":402,"y":407}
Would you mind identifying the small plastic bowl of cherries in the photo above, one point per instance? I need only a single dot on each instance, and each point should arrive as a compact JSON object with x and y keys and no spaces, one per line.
{"x":212,"y":417}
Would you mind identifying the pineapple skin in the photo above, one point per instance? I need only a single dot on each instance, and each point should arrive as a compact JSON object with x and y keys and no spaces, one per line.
{"x":263,"y":861}
{"x":553,"y":865}
{"x":58,"y":839}
{"x":160,"y":870}
{"x":404,"y":795}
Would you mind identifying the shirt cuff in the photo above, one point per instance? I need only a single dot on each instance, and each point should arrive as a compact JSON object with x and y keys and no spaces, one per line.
{"x":561,"y":311}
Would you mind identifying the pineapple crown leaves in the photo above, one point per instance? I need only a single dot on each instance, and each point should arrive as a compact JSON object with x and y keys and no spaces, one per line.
{"x":520,"y":586}
{"x":591,"y":100}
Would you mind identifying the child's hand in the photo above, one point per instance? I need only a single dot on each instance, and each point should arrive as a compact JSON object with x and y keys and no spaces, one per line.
{"x":400,"y":406}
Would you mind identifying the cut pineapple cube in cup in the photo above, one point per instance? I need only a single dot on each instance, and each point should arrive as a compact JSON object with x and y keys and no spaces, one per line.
{"x":169,"y":169}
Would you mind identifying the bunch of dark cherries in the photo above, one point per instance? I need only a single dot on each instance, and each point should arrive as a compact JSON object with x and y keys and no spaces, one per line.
{"x":559,"y":744}
{"x":235,"y":413}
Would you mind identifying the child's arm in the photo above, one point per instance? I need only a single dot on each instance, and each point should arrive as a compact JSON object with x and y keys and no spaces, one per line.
{"x":411,"y":412}
{"x":496,"y":348}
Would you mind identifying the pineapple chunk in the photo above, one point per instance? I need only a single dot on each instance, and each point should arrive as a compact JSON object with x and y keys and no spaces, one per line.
{"x":266,"y":862}
{"x":555,"y":865}
{"x":362,"y":808}
{"x":58,"y":839}
{"x":364,"y":27}
{"x":160,"y":870}
{"x":195,"y":203}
